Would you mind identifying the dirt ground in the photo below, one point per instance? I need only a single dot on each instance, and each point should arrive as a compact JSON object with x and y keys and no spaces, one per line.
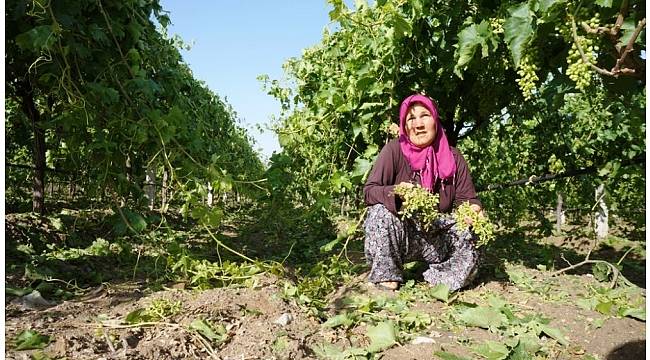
{"x":258,"y":323}
{"x":94,"y":328}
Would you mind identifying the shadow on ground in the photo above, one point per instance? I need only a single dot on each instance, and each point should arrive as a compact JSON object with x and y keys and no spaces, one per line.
{"x":523,"y":246}
{"x":629,"y":351}
{"x":269,"y":233}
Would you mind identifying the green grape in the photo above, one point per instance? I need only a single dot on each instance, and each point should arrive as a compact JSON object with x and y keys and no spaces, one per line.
{"x":418,"y":204}
{"x":594,"y":22}
{"x":481,"y":225}
{"x":527,"y":76}
{"x":497,"y":25}
{"x":565,"y":30}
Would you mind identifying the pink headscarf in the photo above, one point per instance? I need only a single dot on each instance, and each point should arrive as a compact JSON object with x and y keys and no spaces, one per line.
{"x":434,"y":161}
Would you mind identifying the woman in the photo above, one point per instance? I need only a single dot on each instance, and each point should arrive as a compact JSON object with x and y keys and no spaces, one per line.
{"x":421,"y":155}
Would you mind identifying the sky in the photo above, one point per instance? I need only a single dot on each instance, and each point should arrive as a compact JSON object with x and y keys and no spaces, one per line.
{"x":235,"y":41}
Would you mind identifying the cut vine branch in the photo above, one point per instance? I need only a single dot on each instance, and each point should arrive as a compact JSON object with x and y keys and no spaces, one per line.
{"x":615,"y":271}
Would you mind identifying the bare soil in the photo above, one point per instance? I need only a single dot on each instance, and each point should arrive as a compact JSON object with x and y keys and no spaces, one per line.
{"x":94,"y":328}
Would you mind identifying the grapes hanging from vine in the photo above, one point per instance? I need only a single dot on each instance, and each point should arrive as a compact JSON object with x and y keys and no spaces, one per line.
{"x":527,"y":76}
{"x":579,"y":66}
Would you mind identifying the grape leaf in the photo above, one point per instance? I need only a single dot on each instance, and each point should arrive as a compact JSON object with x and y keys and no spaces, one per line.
{"x":638,"y":313}
{"x":544,"y":5}
{"x":519,"y":353}
{"x":554,"y":333}
{"x":30,"y":339}
{"x":469,"y":39}
{"x":483,"y":317}
{"x":604,"y":307}
{"x":216,"y":334}
{"x":361,"y":168}
{"x":627,"y":30}
{"x":382,"y":336}
{"x":518,"y":30}
{"x":339,"y":320}
{"x":440,"y":292}
{"x":492,"y":350}
{"x":604,"y":3}
{"x":36,"y":38}
{"x":444,"y":355}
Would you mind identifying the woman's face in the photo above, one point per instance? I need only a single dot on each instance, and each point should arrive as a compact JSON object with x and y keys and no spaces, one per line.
{"x":420,"y":126}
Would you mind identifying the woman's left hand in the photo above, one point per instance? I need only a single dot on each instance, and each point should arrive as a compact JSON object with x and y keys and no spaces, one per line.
{"x":477,"y":209}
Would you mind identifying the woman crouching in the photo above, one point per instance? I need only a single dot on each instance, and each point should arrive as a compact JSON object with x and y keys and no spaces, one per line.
{"x":420,"y":155}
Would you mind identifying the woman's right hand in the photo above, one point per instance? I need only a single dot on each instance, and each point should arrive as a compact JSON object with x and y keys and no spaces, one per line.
{"x":406,"y":185}
{"x":477,"y":209}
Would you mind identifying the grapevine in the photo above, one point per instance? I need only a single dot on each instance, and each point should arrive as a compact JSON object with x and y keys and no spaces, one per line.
{"x":418,"y":204}
{"x":481,"y":226}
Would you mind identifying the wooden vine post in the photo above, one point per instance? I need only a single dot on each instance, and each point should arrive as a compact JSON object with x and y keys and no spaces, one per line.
{"x":150,"y":186}
{"x":559,"y":213}
{"x":165,"y":179}
{"x":210,"y":201}
{"x":601,"y":217}
{"x":38,"y":149}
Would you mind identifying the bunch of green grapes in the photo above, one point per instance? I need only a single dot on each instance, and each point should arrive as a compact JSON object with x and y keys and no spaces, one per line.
{"x":497,"y":25}
{"x":594,"y":22}
{"x":527,"y":76}
{"x":481,"y":226}
{"x":578,"y":70}
{"x":418,"y":204}
{"x":555,"y":165}
{"x":505,"y":61}
{"x":564,"y":30}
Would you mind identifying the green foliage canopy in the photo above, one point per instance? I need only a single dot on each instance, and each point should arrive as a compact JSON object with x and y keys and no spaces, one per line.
{"x":113,"y":96}
{"x":507,"y":75}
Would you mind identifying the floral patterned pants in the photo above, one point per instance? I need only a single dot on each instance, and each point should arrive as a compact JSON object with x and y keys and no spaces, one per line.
{"x":391,"y":242}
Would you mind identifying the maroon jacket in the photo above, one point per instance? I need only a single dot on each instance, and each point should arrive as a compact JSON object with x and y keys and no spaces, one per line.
{"x":392,"y":168}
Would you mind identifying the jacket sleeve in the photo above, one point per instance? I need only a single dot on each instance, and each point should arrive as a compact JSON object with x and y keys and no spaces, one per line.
{"x":379,"y":188}
{"x":465,"y":191}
